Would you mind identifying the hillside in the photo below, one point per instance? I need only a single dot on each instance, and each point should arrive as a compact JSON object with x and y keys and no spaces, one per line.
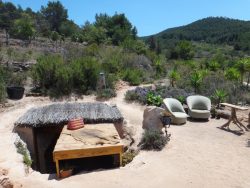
{"x":215,"y":30}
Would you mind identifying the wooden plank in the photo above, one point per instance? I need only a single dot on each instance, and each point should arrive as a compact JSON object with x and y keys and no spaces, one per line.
{"x":90,"y":152}
{"x":234,"y":106}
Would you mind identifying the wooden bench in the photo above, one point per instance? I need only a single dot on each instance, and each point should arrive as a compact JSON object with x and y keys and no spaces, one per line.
{"x":90,"y":141}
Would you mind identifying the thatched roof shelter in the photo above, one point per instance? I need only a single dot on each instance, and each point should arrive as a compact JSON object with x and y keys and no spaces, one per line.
{"x":60,"y":113}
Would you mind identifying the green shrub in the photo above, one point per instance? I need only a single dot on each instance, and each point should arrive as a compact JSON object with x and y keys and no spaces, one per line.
{"x":153,"y":99}
{"x":219,"y":96}
{"x":132,"y":76}
{"x":181,"y":99}
{"x":63,"y":82}
{"x":153,"y":140}
{"x":85,"y":74}
{"x":44,"y":72}
{"x":57,"y":78}
{"x":22,"y":149}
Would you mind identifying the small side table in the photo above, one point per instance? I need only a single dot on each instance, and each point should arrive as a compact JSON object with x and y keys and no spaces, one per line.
{"x":234,"y":116}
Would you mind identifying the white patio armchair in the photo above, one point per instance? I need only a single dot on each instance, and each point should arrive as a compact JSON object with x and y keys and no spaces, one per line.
{"x":199,"y":107}
{"x":175,"y":108}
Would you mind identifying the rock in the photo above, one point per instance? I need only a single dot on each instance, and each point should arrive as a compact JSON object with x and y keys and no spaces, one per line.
{"x":126,"y":134}
{"x":223,"y":114}
{"x":152,"y":118}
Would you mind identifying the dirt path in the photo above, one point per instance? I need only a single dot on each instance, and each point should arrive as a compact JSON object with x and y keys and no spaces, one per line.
{"x":198,"y":155}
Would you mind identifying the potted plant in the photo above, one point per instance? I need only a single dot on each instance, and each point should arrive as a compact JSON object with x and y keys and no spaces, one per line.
{"x":15,"y":89}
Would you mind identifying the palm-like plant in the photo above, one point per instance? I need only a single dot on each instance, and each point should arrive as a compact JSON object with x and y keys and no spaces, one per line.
{"x":248,"y":70}
{"x":219,"y":96}
{"x":232,"y":74}
{"x":243,"y":67}
{"x":174,"y":76}
{"x":196,"y":80}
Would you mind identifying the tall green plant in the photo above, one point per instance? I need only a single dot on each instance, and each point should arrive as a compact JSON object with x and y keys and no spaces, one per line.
{"x":196,"y":80}
{"x":232,"y":74}
{"x":219,"y":96}
{"x":174,"y":76}
{"x":242,"y":67}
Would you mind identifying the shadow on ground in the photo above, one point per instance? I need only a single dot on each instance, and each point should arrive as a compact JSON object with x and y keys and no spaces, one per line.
{"x":236,"y":132}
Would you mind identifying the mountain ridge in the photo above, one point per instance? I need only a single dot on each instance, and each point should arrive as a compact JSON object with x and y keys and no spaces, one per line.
{"x":216,"y":30}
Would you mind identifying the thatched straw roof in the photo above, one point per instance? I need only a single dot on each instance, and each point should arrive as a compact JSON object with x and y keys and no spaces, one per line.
{"x":60,"y":113}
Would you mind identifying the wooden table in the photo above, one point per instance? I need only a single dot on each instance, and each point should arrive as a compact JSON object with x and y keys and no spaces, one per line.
{"x":90,"y":141}
{"x":233,"y":117}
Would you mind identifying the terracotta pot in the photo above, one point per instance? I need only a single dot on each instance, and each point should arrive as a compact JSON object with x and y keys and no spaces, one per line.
{"x":66,"y":173}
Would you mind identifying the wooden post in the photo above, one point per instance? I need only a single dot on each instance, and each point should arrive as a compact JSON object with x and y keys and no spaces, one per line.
{"x":57,"y":169}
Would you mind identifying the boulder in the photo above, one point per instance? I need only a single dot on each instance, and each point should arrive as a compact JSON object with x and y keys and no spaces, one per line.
{"x":152,"y":118}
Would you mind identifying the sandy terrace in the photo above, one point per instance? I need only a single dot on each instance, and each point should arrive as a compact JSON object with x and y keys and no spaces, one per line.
{"x":198,"y":155}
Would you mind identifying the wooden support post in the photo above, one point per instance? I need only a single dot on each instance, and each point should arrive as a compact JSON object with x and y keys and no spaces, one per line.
{"x":120,"y":158}
{"x":57,"y":169}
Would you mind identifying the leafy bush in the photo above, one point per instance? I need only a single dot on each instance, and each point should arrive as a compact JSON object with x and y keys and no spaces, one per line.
{"x":22,"y":149}
{"x":138,"y":94}
{"x":58,"y":78}
{"x":85,"y":74}
{"x":181,"y":99}
{"x":44,"y":72}
{"x":132,"y":76}
{"x":63,"y":82}
{"x":153,"y":99}
{"x":153,"y":140}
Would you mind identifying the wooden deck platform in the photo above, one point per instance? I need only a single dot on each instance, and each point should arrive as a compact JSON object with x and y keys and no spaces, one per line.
{"x":90,"y":141}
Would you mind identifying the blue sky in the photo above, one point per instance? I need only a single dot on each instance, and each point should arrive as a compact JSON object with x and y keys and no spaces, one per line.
{"x":150,"y":16}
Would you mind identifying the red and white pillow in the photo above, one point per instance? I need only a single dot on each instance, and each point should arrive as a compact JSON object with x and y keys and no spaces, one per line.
{"x":75,"y":124}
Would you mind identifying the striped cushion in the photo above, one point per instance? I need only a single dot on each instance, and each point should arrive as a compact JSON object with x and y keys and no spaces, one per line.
{"x":75,"y":124}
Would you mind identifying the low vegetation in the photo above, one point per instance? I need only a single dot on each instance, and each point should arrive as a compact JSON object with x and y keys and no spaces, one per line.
{"x":153,"y":140}
{"x":22,"y":149}
{"x":128,"y":157}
